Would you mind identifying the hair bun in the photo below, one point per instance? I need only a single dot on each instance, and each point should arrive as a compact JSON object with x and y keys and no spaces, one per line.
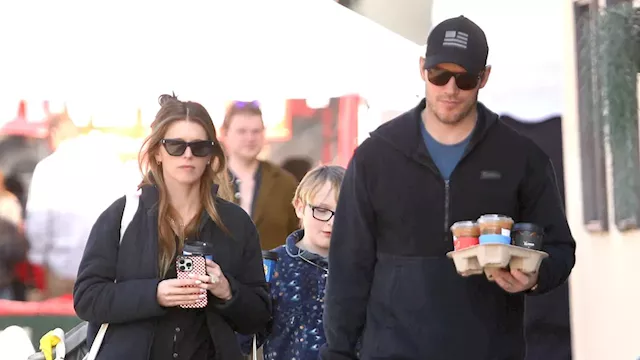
{"x":164,"y":99}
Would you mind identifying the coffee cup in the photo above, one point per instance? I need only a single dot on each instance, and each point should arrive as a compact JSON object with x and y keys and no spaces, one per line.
{"x":269,"y":260}
{"x":527,"y":235}
{"x":198,"y":248}
{"x":495,"y":229}
{"x":494,"y":224}
{"x":465,"y":234}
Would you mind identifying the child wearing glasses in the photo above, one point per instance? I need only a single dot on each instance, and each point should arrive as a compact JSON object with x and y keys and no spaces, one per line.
{"x":298,"y":283}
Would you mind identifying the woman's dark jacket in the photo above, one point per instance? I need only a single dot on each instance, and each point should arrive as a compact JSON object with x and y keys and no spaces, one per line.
{"x":130,"y":305}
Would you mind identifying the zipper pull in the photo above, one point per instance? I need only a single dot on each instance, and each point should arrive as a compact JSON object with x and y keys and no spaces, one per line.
{"x":446,"y":210}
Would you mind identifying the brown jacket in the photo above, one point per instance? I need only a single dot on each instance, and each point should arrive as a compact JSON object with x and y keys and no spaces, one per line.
{"x":274,"y":215}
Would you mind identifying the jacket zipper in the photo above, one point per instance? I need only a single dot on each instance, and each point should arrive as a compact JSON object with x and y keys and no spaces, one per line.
{"x":447,"y":190}
{"x":446,"y":210}
{"x":447,"y":185}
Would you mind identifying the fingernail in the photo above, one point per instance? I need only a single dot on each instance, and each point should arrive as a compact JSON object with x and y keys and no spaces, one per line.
{"x":202,"y":296}
{"x":191,"y":275}
{"x":198,"y":282}
{"x":202,"y":290}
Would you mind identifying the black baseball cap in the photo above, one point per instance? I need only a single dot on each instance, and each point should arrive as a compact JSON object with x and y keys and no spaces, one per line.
{"x":459,"y":41}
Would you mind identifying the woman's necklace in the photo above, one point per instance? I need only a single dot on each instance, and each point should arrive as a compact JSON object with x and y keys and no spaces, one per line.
{"x":177,"y":229}
{"x":173,"y":223}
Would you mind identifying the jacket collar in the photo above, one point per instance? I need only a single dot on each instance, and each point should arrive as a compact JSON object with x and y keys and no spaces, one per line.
{"x":403,"y":133}
{"x":294,"y":251}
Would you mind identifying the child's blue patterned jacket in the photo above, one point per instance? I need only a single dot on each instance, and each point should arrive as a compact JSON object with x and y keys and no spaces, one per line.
{"x":297,"y":291}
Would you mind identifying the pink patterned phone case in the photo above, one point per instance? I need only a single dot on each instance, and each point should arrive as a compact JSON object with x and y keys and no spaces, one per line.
{"x":186,"y":265}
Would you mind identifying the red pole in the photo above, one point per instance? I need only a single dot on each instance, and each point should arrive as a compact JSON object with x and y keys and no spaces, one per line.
{"x":22,"y":111}
{"x":347,"y":127}
{"x":327,"y":134}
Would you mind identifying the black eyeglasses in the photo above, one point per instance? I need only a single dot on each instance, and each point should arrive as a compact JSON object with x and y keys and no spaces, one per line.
{"x":464,"y":80}
{"x":321,"y":214}
{"x":176,"y":147}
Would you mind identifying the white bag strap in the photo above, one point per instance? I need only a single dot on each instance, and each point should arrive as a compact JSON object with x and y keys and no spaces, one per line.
{"x":130,"y":209}
{"x":97,"y":342}
{"x":255,"y":348}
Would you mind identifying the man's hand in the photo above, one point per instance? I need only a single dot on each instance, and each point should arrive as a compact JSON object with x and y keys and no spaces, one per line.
{"x":513,"y":281}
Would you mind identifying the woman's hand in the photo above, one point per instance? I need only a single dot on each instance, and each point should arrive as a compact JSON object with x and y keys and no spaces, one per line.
{"x":176,"y":292}
{"x":215,"y":282}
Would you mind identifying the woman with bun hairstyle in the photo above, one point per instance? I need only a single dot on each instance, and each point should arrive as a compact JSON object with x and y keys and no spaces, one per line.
{"x":132,"y":285}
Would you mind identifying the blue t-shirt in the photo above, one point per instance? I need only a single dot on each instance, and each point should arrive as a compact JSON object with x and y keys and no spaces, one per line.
{"x":446,"y":157}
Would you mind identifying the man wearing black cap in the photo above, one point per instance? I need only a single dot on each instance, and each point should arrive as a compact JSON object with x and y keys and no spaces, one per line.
{"x":450,"y":159}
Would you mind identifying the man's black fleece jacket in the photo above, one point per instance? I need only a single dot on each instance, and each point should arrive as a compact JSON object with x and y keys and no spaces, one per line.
{"x":391,"y":284}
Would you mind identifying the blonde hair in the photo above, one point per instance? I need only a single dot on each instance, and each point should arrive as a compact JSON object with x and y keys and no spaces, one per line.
{"x":172,"y":110}
{"x":315,"y":179}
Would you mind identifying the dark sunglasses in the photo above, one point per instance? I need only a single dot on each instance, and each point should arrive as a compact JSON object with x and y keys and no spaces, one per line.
{"x":464,"y":80}
{"x":200,"y":148}
{"x":243,"y":104}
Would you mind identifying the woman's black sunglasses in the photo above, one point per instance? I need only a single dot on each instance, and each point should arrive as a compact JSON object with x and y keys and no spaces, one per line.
{"x":177,"y":147}
{"x":464,"y":80}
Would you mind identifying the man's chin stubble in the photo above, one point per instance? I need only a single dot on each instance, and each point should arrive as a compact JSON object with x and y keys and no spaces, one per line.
{"x":456,"y":119}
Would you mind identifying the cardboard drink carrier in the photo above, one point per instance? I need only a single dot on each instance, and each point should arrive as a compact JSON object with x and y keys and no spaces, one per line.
{"x":474,"y":260}
{"x":487,"y":243}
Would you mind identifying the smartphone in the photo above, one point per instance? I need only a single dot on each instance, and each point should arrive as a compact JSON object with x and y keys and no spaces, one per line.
{"x":191,"y":264}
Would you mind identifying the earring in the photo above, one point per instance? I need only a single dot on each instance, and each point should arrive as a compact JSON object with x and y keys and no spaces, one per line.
{"x":158,"y":162}
{"x":209,"y":162}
